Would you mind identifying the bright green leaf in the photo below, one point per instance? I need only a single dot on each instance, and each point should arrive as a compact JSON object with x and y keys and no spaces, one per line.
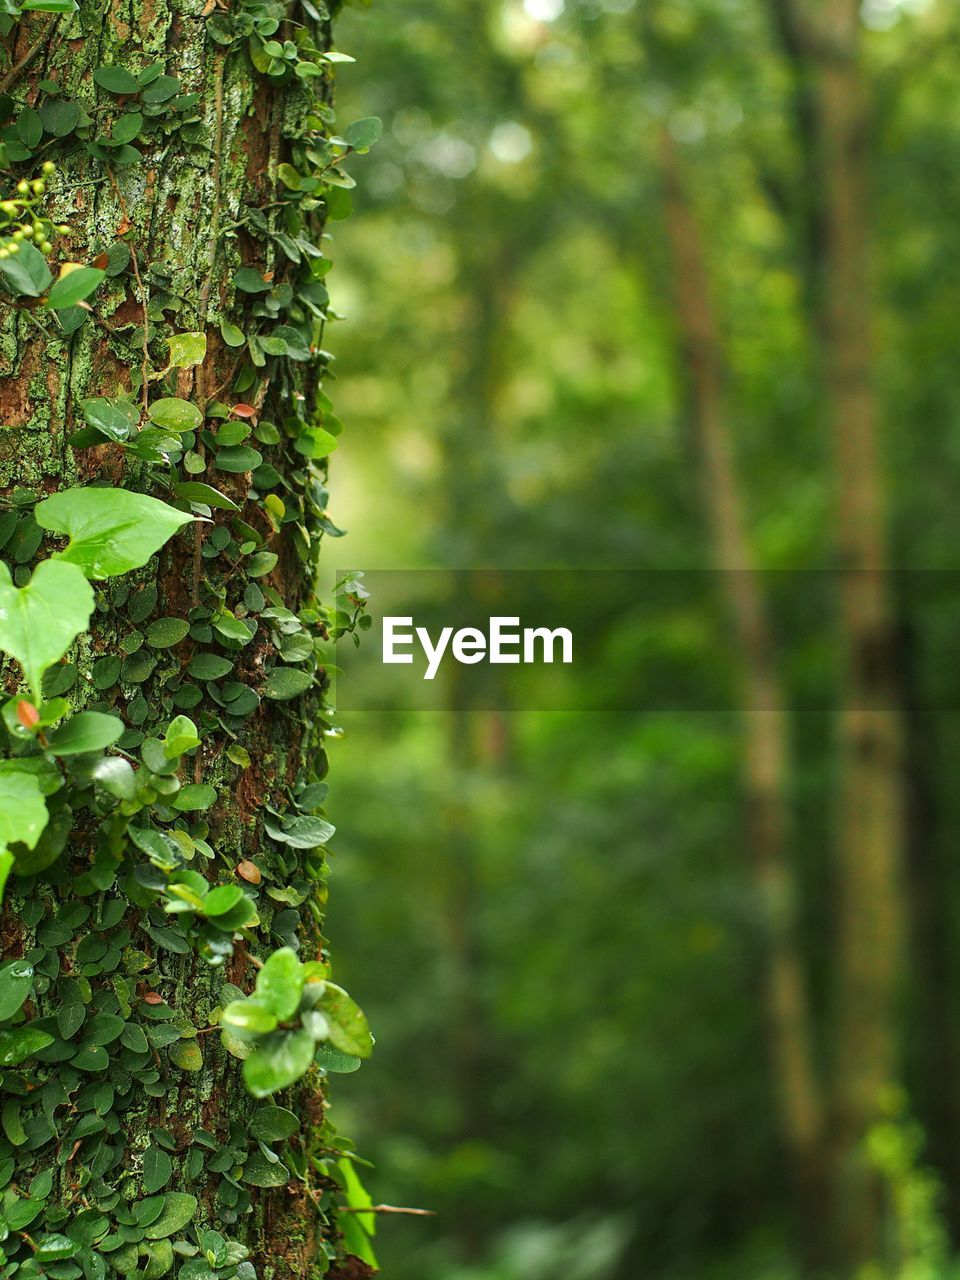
{"x":16,"y":983}
{"x":181,"y":736}
{"x":73,"y":287}
{"x":88,"y":731}
{"x":196,"y":491}
{"x":223,"y":898}
{"x":278,"y":1061}
{"x":111,"y":530}
{"x":280,"y":983}
{"x":231,"y":335}
{"x":348,"y":1025}
{"x":19,"y":1044}
{"x":40,"y":621}
{"x":195,"y":796}
{"x":248,"y":1016}
{"x":187,"y":349}
{"x":174,"y":414}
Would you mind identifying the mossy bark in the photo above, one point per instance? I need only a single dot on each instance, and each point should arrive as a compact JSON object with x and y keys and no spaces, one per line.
{"x":182,"y":212}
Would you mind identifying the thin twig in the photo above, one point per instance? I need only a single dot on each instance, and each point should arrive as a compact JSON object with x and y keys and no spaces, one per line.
{"x":385,"y":1208}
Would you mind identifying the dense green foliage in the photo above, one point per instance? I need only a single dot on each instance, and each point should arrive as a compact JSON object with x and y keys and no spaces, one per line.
{"x":576,"y":1080}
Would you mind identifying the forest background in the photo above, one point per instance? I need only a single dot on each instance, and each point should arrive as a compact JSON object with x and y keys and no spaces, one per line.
{"x":662,"y":286}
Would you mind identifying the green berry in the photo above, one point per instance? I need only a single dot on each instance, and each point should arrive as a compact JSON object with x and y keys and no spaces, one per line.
{"x":27,"y":232}
{"x":39,"y":187}
{"x":23,"y":188}
{"x":45,"y":246}
{"x":64,"y":229}
{"x":48,"y":167}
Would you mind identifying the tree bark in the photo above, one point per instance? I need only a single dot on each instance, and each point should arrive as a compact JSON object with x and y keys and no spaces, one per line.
{"x":765,"y":729}
{"x":203,"y":201}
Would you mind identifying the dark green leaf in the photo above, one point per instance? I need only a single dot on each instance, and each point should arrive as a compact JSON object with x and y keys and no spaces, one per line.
{"x":287,"y":682}
{"x":26,"y":273}
{"x":157,"y":1169}
{"x":115,"y":79}
{"x":271,"y":1124}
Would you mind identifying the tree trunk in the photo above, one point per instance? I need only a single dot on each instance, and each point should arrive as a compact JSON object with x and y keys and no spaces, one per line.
{"x":869,"y":847}
{"x":766,"y":763}
{"x":172,"y":228}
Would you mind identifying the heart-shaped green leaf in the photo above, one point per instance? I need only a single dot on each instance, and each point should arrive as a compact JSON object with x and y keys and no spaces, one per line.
{"x":40,"y":621}
{"x":111,"y":530}
{"x":362,"y":134}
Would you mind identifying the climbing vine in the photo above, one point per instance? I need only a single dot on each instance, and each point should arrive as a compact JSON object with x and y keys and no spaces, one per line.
{"x":164,"y":885}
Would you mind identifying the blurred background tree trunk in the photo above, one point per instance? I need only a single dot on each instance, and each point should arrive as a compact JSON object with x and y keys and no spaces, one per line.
{"x":763,"y":712}
{"x":871,"y":797}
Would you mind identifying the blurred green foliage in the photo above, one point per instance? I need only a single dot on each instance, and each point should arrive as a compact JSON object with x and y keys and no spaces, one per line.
{"x":550,"y":917}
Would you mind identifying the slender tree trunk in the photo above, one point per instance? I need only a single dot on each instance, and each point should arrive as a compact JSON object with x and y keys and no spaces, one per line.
{"x":869,"y":845}
{"x":203,"y":201}
{"x":766,"y":763}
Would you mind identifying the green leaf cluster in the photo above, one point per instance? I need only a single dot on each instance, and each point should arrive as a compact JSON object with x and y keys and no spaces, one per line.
{"x":294,"y":1011}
